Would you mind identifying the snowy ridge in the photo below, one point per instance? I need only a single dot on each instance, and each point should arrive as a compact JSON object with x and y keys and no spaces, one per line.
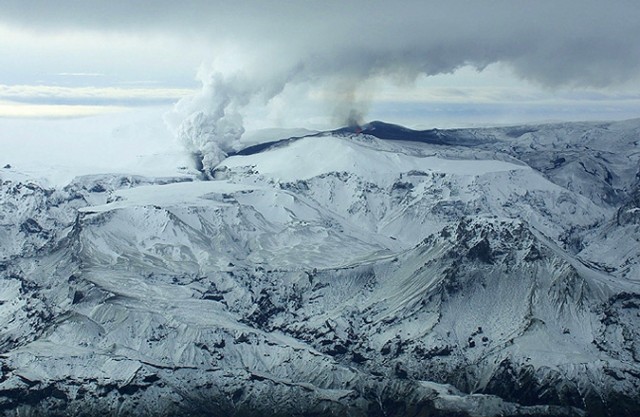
{"x":335,"y":274}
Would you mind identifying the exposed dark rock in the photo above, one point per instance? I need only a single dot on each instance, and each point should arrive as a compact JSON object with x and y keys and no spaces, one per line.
{"x":30,"y":226}
{"x":482,"y":251}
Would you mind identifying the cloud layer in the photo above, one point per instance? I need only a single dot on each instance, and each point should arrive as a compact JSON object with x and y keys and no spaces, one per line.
{"x":114,"y":96}
{"x":570,"y":42}
{"x":262,"y":47}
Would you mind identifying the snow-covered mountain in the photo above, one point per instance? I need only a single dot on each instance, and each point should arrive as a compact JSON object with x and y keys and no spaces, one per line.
{"x":379,"y":272}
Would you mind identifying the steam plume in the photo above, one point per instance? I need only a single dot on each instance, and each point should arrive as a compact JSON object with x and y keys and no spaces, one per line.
{"x":574,"y":43}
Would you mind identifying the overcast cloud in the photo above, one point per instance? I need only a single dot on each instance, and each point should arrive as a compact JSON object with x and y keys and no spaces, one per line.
{"x":570,"y":42}
{"x":258,"y":50}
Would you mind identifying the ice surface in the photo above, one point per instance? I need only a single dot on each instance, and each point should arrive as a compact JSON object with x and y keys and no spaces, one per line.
{"x":333,"y":273}
{"x":57,"y":150}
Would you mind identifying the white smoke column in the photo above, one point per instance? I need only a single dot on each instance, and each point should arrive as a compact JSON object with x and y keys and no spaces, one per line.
{"x":209,"y":124}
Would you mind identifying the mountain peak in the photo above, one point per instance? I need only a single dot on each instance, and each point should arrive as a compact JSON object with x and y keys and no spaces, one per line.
{"x":385,"y":272}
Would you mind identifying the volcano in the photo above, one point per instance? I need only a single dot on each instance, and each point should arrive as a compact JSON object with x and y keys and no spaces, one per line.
{"x":381,"y":272}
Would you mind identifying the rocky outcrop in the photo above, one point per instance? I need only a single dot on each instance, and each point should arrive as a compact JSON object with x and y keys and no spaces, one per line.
{"x":375,"y":278}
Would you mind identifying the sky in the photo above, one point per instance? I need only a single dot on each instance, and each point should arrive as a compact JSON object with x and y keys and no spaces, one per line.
{"x":218,"y":68}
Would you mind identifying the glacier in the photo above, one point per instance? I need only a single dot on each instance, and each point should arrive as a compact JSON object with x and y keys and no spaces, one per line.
{"x":377,"y":272}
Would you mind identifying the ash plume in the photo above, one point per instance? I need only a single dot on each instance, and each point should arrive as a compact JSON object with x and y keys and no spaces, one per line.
{"x":350,"y":99}
{"x":572,"y":44}
{"x":355,"y":119}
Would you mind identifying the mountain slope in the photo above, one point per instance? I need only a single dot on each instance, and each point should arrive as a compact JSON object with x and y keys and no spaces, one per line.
{"x":332,"y":274}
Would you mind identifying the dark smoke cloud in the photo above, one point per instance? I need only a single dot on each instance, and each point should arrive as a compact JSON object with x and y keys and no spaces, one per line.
{"x":569,"y":43}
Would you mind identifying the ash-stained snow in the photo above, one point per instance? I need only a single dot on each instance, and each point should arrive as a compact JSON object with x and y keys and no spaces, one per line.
{"x":335,"y":274}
